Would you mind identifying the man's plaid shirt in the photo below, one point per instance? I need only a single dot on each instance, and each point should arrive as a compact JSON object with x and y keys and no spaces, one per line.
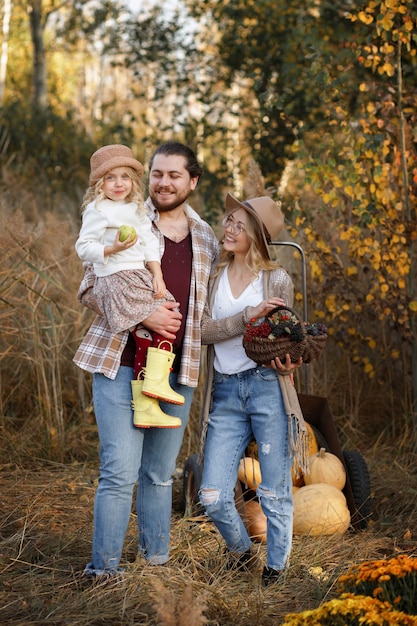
{"x":100,"y":350}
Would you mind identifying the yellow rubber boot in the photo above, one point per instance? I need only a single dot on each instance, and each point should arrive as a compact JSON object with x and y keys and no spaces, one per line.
{"x":156,"y":382}
{"x":146,"y":411}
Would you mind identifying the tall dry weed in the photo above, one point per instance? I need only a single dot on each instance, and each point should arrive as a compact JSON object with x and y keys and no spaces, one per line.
{"x":178,"y":607}
{"x":41,"y":326}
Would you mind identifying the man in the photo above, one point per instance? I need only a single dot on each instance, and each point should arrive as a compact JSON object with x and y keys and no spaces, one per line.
{"x":128,"y":455}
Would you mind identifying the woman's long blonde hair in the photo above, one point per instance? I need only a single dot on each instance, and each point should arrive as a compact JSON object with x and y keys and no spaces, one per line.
{"x":95,"y":192}
{"x":255,"y":259}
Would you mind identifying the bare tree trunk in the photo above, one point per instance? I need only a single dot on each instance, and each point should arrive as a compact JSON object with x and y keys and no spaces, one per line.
{"x":37,"y":28}
{"x":7,"y":8}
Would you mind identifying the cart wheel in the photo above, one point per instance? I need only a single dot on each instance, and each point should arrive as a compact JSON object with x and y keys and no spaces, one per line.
{"x":191,"y":484}
{"x":359,"y":481}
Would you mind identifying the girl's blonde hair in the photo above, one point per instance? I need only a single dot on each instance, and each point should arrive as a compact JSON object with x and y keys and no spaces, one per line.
{"x":255,"y":258}
{"x":136,"y":195}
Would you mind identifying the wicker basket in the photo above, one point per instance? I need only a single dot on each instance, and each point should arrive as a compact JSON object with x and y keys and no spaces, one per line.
{"x":263,"y":350}
{"x":314,"y":346}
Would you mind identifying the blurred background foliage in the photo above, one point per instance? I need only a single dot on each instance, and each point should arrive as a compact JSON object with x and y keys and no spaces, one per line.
{"x":320,"y":95}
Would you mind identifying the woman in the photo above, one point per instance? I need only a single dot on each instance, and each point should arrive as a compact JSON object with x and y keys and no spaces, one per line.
{"x":248,"y":401}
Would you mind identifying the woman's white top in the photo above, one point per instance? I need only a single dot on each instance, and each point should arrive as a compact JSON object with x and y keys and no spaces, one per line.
{"x":229,"y":355}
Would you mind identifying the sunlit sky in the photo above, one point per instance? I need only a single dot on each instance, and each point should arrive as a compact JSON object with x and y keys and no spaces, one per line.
{"x":138,"y":5}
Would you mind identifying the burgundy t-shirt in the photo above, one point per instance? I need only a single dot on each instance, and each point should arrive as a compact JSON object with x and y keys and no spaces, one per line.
{"x":176,"y":266}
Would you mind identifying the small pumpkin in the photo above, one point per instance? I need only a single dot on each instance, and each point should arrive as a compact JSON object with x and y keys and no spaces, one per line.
{"x":249,"y":472}
{"x":313,"y":448}
{"x":256,"y":521}
{"x":320,"y":509}
{"x":326,"y":467}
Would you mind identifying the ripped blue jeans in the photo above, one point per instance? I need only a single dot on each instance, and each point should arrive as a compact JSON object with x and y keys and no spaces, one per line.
{"x":245,"y":406}
{"x":129,"y":455}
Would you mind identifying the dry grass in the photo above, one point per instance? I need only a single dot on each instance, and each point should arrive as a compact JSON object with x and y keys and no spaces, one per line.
{"x":46,"y":526}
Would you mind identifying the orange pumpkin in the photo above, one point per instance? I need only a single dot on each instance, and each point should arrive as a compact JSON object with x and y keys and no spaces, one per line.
{"x":256,"y":521}
{"x":320,"y":509}
{"x":326,"y":467}
{"x":249,"y":472}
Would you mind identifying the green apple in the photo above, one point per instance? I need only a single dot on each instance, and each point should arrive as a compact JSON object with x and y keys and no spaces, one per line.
{"x":125,"y":232}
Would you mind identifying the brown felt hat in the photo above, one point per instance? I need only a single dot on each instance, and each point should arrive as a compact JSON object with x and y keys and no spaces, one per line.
{"x":108,"y":158}
{"x":266,"y":213}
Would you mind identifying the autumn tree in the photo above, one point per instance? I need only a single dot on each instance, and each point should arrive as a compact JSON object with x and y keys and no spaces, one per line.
{"x":362,"y":234}
{"x":287,"y":57}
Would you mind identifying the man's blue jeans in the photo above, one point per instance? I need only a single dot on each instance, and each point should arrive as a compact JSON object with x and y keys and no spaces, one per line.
{"x":247,"y":405}
{"x":129,"y":455}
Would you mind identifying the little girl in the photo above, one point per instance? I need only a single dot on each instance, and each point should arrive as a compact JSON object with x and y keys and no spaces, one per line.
{"x":129,"y":284}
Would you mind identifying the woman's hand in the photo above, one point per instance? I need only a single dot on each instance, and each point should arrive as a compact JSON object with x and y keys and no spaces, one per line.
{"x":266,"y":306}
{"x":286,"y":368}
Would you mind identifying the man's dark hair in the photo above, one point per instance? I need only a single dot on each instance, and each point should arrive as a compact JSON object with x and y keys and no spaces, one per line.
{"x":176,"y":148}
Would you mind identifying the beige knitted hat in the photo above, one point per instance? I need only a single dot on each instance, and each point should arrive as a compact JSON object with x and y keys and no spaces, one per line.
{"x":266,"y":213}
{"x":108,"y":158}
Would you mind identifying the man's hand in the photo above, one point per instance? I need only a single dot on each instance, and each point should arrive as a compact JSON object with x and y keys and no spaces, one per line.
{"x":165,"y":321}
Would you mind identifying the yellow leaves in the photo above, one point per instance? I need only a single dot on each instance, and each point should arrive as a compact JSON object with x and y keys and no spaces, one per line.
{"x":413,"y":306}
{"x":352,"y":270}
{"x":408,"y":23}
{"x":316,"y":273}
{"x":385,"y":148}
{"x":366,"y":18}
{"x":396,"y":239}
{"x":330,"y":303}
{"x":387,"y":48}
{"x":395,"y":354}
{"x":348,"y":233}
{"x":387,"y":68}
{"x":368,"y":367}
{"x":387,"y":22}
{"x":369,"y":297}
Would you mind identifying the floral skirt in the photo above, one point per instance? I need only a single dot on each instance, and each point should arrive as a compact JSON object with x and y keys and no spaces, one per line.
{"x":127,"y":297}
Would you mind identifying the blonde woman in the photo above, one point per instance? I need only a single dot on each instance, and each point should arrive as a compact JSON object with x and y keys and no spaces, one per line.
{"x":245,"y":400}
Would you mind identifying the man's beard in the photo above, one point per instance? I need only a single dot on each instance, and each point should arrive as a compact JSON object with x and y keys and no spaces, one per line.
{"x":166,"y":208}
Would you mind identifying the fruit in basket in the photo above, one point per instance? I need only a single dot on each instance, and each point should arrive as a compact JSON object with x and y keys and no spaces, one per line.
{"x":249,"y":472}
{"x":326,"y":467}
{"x":320,"y":509}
